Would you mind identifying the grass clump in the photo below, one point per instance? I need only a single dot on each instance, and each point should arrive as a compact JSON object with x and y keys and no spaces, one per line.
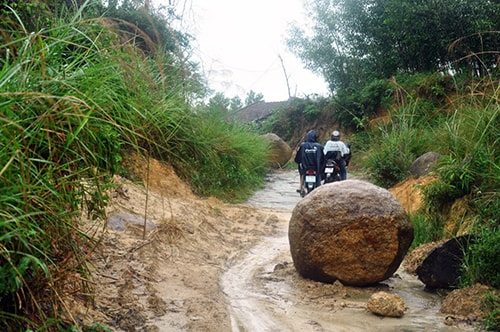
{"x":220,"y":158}
{"x":481,"y":261}
{"x":396,"y":143}
{"x":426,"y":229}
{"x":492,"y":306}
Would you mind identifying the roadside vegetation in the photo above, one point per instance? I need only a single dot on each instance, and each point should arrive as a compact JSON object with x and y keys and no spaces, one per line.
{"x":80,"y":92}
{"x":82,"y":88}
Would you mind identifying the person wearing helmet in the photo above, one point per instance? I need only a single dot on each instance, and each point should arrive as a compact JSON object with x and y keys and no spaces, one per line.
{"x":310,"y":155}
{"x":337,"y":150}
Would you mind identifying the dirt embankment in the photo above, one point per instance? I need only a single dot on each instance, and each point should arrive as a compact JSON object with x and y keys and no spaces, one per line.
{"x":166,"y":278}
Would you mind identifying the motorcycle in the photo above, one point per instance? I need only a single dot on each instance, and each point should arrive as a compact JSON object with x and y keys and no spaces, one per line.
{"x":310,"y":182}
{"x":332,"y":171}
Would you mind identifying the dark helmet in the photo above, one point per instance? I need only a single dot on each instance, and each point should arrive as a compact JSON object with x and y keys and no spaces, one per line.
{"x":335,"y":135}
{"x":311,"y":136}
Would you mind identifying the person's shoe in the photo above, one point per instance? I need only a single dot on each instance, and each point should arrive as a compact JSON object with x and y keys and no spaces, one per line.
{"x":299,"y":190}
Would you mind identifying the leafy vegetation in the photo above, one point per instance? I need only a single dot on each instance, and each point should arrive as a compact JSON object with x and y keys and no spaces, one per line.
{"x":481,"y":262}
{"x":78,"y":95}
{"x":354,"y":42}
{"x":492,"y":306}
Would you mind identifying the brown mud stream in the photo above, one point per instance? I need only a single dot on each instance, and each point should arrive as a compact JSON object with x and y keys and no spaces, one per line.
{"x":264,"y":292}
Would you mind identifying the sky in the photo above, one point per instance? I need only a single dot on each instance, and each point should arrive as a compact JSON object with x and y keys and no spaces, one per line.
{"x":239,"y":44}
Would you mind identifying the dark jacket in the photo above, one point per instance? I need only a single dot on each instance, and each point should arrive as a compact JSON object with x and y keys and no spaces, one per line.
{"x":310,"y":154}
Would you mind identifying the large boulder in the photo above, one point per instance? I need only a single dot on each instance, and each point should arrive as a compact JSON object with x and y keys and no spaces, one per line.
{"x":351,"y":231}
{"x":281,"y":152}
{"x":442,"y":266}
{"x":424,"y":164}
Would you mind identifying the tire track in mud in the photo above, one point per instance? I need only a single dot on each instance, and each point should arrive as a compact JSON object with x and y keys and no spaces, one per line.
{"x":250,"y":307}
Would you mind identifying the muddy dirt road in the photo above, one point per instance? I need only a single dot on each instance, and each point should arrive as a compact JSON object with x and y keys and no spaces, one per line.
{"x":210,"y":266}
{"x":264,"y":292}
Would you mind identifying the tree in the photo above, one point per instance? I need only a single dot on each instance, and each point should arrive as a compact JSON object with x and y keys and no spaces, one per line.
{"x":351,"y":42}
{"x":235,"y":104}
{"x":253,"y":97}
{"x":218,"y":103}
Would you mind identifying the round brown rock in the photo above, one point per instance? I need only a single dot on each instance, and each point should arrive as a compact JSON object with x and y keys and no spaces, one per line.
{"x":386,"y":304}
{"x":280,"y":150}
{"x":351,"y":231}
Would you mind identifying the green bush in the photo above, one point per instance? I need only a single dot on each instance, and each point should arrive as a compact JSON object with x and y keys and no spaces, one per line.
{"x":435,"y":88}
{"x":388,"y":165}
{"x":355,"y":108}
{"x":481,"y":265}
{"x":311,"y":112}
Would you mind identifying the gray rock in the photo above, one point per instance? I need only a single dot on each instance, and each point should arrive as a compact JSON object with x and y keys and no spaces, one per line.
{"x":118,"y":221}
{"x":351,"y":231}
{"x":424,"y":164}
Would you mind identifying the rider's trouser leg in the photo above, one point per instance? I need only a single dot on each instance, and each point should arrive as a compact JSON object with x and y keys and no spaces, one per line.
{"x":343,"y":170}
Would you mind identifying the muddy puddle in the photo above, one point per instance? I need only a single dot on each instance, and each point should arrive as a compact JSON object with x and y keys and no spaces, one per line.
{"x":264,"y":292}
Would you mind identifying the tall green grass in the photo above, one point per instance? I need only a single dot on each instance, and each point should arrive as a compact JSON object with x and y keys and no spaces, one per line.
{"x":225,"y":160}
{"x":471,"y":136}
{"x":74,"y":98}
{"x":426,"y":228}
{"x":395,"y":144}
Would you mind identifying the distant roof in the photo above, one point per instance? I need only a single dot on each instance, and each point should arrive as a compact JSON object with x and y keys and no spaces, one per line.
{"x":257,"y":111}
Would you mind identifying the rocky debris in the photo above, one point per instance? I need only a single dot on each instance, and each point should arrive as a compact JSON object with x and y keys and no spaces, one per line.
{"x":351,"y":231}
{"x":442,"y":266}
{"x":386,"y":304}
{"x":423,"y":165}
{"x":280,"y":150}
{"x":462,"y":304}
{"x":415,"y":257}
